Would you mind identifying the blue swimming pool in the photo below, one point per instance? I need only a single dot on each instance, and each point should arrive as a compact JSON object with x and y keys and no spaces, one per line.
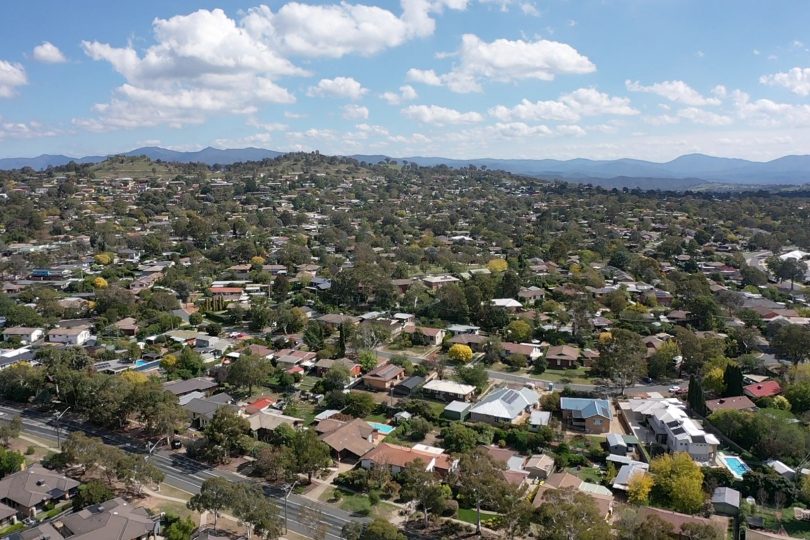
{"x":737,"y":466}
{"x":385,"y":429}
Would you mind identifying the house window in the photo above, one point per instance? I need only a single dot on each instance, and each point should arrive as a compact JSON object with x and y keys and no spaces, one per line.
{"x":597,"y":422}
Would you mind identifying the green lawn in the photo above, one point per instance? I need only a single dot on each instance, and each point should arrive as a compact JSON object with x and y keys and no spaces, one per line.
{"x":470,"y":516}
{"x":578,"y":375}
{"x":357,"y":503}
{"x":307,"y":383}
{"x":794,"y":527}
{"x":304,"y":410}
{"x":587,"y":474}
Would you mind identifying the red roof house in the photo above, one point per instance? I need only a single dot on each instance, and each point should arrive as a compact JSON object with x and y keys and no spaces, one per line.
{"x":762,"y":390}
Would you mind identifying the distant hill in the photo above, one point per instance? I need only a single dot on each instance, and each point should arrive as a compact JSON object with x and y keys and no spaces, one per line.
{"x":680,"y":173}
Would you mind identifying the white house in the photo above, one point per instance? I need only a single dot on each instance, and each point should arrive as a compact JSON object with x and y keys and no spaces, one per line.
{"x":76,"y":336}
{"x":24,"y":333}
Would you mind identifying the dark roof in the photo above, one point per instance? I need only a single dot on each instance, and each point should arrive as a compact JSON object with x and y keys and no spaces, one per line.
{"x":197,"y":384}
{"x":411,"y":382}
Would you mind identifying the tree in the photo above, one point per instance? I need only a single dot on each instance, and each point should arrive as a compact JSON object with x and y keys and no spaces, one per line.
{"x":10,"y":430}
{"x":475,"y":375}
{"x":798,"y":394}
{"x":367,"y":360}
{"x":247,"y":371}
{"x":497,"y":265}
{"x":421,"y":485}
{"x":100,"y":283}
{"x":792,"y":342}
{"x":460,"y":353}
{"x":378,"y":529}
{"x":476,"y":477}
{"x":662,"y":362}
{"x":733,"y":381}
{"x":678,"y":482}
{"x":695,"y":397}
{"x":567,"y":514}
{"x":458,"y":438}
{"x":314,"y":336}
{"x":519,"y":331}
{"x":509,"y":285}
{"x":275,"y":463}
{"x":335,"y":378}
{"x":700,"y":531}
{"x":222,"y":433}
{"x":215,"y":495}
{"x":452,"y":304}
{"x":622,"y":356}
{"x":639,"y":487}
{"x":311,"y":454}
{"x":255,"y":510}
{"x":359,"y":404}
{"x":632,"y":524}
{"x":178,"y":528}
{"x":92,"y":492}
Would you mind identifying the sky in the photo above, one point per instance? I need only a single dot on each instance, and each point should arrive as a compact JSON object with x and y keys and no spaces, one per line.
{"x":600,"y":79}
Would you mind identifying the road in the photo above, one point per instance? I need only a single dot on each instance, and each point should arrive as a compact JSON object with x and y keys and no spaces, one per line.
{"x":523,"y":379}
{"x":188,"y":475}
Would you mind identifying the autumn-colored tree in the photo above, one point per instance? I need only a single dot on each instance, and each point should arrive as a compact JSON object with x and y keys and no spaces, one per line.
{"x":460,"y":353}
{"x":497,"y":265}
{"x":100,"y":283}
{"x":639,"y":488}
{"x":678,"y":482}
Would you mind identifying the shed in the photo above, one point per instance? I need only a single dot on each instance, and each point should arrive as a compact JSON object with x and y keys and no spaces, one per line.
{"x":408,"y":386}
{"x":457,"y":410}
{"x":726,"y":501}
{"x":616,"y":444}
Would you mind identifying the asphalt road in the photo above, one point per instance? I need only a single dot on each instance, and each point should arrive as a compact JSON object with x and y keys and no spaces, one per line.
{"x":186,"y":474}
{"x":523,"y":379}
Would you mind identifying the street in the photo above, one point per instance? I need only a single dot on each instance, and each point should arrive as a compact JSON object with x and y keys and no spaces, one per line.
{"x":188,"y":475}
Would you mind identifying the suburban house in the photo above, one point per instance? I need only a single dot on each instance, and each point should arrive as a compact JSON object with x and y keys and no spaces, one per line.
{"x":127,"y":327}
{"x":348,"y":440}
{"x":201,"y":410}
{"x":228,"y":294}
{"x":434,"y":283}
{"x":504,"y":406}
{"x":180,"y":388}
{"x":29,"y":490}
{"x":263,"y":422}
{"x":509,"y":304}
{"x":601,"y":495}
{"x":325,"y":364}
{"x":395,"y":458}
{"x":670,"y":425}
{"x":531,"y":294}
{"x":76,"y":336}
{"x":531,"y":352}
{"x":383,"y":377}
{"x":115,"y":518}
{"x":626,"y":472}
{"x":678,"y":520}
{"x":588,"y":415}
{"x":513,"y":472}
{"x":424,"y":335}
{"x":762,"y":390}
{"x":23,"y":333}
{"x":563,"y":356}
{"x":475,"y":342}
{"x":539,"y":466}
{"x":448,"y":390}
{"x":737,"y":403}
{"x":408,"y":386}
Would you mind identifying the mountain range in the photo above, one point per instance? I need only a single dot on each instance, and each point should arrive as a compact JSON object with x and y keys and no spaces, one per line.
{"x":682,"y":172}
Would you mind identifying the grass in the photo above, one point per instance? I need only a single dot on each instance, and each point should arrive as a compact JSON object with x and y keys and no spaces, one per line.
{"x":357,"y":503}
{"x":578,"y":375}
{"x":54,"y":511}
{"x":795,"y":528}
{"x":304,"y":410}
{"x":470,"y":515}
{"x":379,"y":418}
{"x":587,"y":474}
{"x":16,"y":527}
{"x":308,"y":383}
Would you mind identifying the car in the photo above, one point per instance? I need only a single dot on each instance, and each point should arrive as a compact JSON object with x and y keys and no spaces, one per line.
{"x":674,"y":389}
{"x":646,"y":380}
{"x":176,"y":444}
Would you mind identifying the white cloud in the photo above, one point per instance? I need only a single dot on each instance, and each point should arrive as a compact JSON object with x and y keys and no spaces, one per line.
{"x":568,"y":108}
{"x":201,"y":63}
{"x":24,"y":130}
{"x":765,"y":112}
{"x":528,"y":8}
{"x":424,"y":76}
{"x":661,"y":120}
{"x":433,"y":114}
{"x":339,"y":87}
{"x":355,"y":112}
{"x":708,"y":118}
{"x":797,"y":80}
{"x":406,"y":93}
{"x":571,"y":129}
{"x":340,"y":29}
{"x":677,"y":91}
{"x":48,"y":53}
{"x":11,"y":76}
{"x":505,"y":60}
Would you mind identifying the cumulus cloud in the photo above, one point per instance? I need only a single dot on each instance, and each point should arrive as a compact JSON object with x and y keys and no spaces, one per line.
{"x":677,"y":91}
{"x":337,"y":30}
{"x":406,"y":93}
{"x":765,"y":112}
{"x":433,"y":114}
{"x":708,"y":118}
{"x":505,"y":60}
{"x":797,"y":80}
{"x":355,"y":112}
{"x":11,"y":76}
{"x":339,"y":87}
{"x":24,"y":130}
{"x":48,"y":53}
{"x":568,"y":108}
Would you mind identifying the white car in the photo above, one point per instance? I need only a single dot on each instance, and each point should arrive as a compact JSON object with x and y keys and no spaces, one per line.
{"x":674,"y":389}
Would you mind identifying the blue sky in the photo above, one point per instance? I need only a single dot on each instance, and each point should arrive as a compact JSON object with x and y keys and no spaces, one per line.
{"x":650,"y":79}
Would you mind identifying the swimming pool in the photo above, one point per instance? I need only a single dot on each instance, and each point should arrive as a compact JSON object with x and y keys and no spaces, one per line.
{"x":737,"y":466}
{"x":385,"y":429}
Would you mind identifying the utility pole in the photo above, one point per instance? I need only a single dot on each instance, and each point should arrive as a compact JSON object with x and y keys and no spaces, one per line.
{"x":56,"y":425}
{"x":287,"y":496}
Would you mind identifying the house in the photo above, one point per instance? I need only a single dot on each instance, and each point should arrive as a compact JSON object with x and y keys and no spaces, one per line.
{"x":531,"y":352}
{"x":408,"y":386}
{"x":445,"y":390}
{"x":347,"y":440}
{"x":75,"y":336}
{"x":531,"y":294}
{"x":334,"y":320}
{"x":287,"y":358}
{"x":24,"y":334}
{"x":424,"y":335}
{"x":113,"y":519}
{"x":127,"y":327}
{"x":601,"y":495}
{"x":504,"y":406}
{"x":762,"y":390}
{"x":259,"y":404}
{"x":383,"y":377}
{"x":202,"y":410}
{"x":227,"y":294}
{"x":457,"y":410}
{"x":29,"y":490}
{"x":539,"y":466}
{"x":509,"y":304}
{"x":263,"y":422}
{"x":737,"y":403}
{"x":626,"y":472}
{"x":198,"y":384}
{"x":513,"y":471}
{"x":475,"y":342}
{"x":616,"y":444}
{"x":726,"y":501}
{"x":781,"y":469}
{"x":563,"y":356}
{"x":395,"y":458}
{"x":588,"y":415}
{"x":538,"y":419}
{"x":434,"y":283}
{"x":666,"y":421}
{"x":678,"y":520}
{"x":325,"y":364}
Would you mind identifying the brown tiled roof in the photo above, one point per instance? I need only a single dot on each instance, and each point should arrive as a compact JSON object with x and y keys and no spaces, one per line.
{"x":350,"y":437}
